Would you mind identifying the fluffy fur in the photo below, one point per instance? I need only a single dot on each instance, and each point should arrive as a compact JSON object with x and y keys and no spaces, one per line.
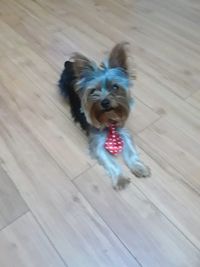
{"x":66,"y":85}
{"x":98,"y":96}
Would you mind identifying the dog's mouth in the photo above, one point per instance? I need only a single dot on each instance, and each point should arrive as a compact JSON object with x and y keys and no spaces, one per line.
{"x":107,"y":109}
{"x":101,"y":118}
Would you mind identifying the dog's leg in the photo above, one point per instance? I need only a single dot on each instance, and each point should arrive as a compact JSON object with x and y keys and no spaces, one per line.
{"x":131,"y":157}
{"x":113,"y":169}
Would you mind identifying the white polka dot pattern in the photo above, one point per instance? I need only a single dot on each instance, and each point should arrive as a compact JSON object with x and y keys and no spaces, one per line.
{"x":114,"y":143}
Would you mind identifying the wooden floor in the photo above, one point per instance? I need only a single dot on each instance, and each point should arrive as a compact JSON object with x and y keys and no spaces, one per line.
{"x":57,"y":207}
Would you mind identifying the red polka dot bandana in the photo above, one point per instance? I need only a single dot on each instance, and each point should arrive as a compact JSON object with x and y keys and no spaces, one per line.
{"x":114,"y":143}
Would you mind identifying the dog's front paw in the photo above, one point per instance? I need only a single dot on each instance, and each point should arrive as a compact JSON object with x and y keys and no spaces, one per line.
{"x":141,"y":170}
{"x":121,"y":183}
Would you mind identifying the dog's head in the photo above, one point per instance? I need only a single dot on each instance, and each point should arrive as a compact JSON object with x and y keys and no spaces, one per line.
{"x":104,"y":90}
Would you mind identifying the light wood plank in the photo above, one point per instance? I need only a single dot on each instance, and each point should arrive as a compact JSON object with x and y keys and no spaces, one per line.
{"x":194,"y":100}
{"x":78,"y":233}
{"x":176,"y":147}
{"x":141,"y":117}
{"x":145,"y":231}
{"x":181,"y":13}
{"x":23,"y":244}
{"x":168,"y":191}
{"x":158,"y":46}
{"x":52,"y":42}
{"x":164,"y":102}
{"x":181,"y":81}
{"x":12,"y":205}
{"x":55,"y":131}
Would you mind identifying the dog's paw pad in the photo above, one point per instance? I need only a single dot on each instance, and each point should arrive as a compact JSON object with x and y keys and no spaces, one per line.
{"x":121,"y":183}
{"x":141,"y":171}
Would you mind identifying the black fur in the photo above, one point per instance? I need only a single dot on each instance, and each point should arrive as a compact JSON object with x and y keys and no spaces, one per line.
{"x":66,"y":85}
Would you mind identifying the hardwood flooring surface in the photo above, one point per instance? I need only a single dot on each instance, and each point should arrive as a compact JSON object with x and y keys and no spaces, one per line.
{"x":57,"y":206}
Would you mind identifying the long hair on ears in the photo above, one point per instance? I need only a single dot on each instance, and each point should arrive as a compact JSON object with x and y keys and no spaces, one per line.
{"x":84,"y":68}
{"x":119,"y":58}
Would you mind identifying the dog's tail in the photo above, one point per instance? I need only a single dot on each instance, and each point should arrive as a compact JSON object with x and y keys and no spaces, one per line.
{"x":67,"y":79}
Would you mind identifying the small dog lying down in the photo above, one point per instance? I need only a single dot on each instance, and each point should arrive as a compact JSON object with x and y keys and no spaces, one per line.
{"x":100,"y":100}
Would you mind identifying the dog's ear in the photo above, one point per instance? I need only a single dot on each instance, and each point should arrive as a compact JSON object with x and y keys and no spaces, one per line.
{"x":82,"y":65}
{"x":118,"y":56}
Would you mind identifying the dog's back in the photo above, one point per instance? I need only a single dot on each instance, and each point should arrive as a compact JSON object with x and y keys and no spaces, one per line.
{"x":67,"y":90}
{"x":67,"y":79}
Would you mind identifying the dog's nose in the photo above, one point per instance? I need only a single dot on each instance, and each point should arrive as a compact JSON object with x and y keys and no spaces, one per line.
{"x":105,"y":103}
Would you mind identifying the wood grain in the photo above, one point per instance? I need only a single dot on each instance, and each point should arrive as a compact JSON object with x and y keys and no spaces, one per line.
{"x":171,"y":193}
{"x":194,"y":100}
{"x":70,"y":222}
{"x":12,"y":205}
{"x":176,"y":147}
{"x":142,"y":222}
{"x":45,"y":166}
{"x":23,"y":244}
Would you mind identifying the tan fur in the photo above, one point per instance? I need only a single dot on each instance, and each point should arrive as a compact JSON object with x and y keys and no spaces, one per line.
{"x":81,"y":63}
{"x":118,"y":113}
{"x":118,"y":56}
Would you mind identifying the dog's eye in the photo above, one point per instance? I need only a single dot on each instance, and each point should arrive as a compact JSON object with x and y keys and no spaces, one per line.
{"x":92,"y":91}
{"x":115,"y":86}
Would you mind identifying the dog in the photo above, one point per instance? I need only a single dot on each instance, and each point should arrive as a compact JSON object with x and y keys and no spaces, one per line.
{"x":100,"y":100}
